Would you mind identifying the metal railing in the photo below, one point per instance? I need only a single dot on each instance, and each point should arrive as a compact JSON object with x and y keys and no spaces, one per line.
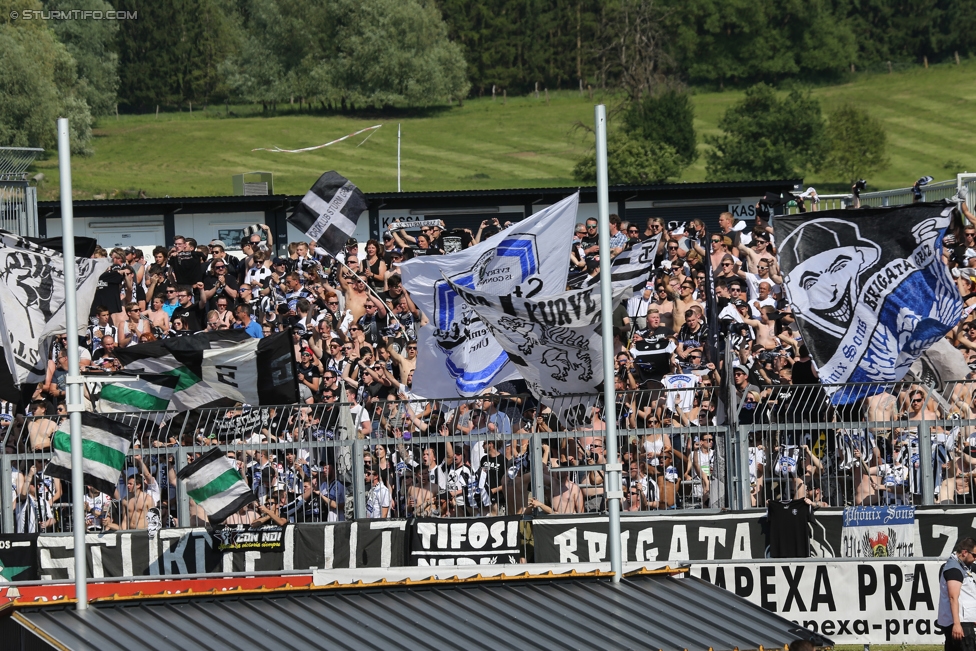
{"x":18,"y":208}
{"x":500,"y":454}
{"x":935,"y":191}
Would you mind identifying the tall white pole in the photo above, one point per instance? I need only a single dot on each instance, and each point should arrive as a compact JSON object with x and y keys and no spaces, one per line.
{"x":398,"y":157}
{"x":74,"y":403}
{"x":613,"y":467}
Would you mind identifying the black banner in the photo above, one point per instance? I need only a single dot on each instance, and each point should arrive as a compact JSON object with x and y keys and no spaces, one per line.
{"x":377,"y":543}
{"x":270,"y":538}
{"x":370,"y":543}
{"x":868,"y":298}
{"x":668,"y":537}
{"x":18,"y":557}
{"x":485,"y":541}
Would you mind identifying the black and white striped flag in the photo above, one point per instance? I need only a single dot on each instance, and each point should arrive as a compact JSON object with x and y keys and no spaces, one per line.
{"x":328,"y":213}
{"x":632,"y":267}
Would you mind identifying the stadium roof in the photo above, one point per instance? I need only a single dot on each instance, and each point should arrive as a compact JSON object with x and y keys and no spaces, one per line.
{"x":514,"y":196}
{"x":649,"y":609}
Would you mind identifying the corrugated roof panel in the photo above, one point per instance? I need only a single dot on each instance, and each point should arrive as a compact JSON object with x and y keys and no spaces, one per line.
{"x":641,"y":612}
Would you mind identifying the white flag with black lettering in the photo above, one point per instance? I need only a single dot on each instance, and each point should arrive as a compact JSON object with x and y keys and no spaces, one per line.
{"x":555,"y":342}
{"x":32,"y":295}
{"x":528,"y":259}
{"x":329,"y":212}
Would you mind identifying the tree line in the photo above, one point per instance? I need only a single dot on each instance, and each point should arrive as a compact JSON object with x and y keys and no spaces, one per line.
{"x":351,"y":54}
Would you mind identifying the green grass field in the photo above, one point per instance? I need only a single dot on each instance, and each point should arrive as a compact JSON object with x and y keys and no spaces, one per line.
{"x":930,"y":115}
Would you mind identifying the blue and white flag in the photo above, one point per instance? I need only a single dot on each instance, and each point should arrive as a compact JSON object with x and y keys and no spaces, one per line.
{"x":457,"y":354}
{"x":555,"y":342}
{"x":869,"y":289}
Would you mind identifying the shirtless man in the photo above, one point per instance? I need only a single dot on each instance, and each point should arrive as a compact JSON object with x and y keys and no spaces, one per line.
{"x":137,"y":504}
{"x":566,"y":497}
{"x":41,"y":430}
{"x":157,"y":315}
{"x":408,"y":364}
{"x":420,"y":501}
{"x":354,"y":289}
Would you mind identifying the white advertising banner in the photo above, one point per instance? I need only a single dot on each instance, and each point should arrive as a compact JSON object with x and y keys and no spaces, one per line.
{"x":852,"y":602}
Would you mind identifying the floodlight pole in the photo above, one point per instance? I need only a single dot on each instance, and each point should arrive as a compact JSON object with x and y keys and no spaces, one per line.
{"x":74,"y":379}
{"x":612,"y":482}
{"x":398,"y":158}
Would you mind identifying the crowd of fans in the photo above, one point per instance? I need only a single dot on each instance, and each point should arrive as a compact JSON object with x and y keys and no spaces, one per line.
{"x":354,"y":330}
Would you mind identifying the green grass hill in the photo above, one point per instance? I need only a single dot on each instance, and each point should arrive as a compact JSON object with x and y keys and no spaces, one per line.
{"x":929,"y":114}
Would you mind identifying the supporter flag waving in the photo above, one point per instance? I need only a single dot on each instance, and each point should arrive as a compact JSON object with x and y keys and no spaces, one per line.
{"x":148,"y":393}
{"x":226,"y":364}
{"x":632,"y":267}
{"x":32,"y":294}
{"x":555,"y":342}
{"x":104,"y":443}
{"x":329,"y":212}
{"x":868,"y":288}
{"x":457,"y":355}
{"x":213,"y":482}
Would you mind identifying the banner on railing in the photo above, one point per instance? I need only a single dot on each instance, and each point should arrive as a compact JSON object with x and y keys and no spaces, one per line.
{"x":197,"y":551}
{"x":856,"y":602}
{"x":872,"y":531}
{"x":18,"y":557}
{"x":486,"y":541}
{"x":242,"y":538}
{"x":653,"y":538}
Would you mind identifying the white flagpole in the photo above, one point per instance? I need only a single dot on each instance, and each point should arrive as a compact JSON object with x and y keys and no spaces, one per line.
{"x":613,"y":467}
{"x":74,"y":379}
{"x":398,"y":158}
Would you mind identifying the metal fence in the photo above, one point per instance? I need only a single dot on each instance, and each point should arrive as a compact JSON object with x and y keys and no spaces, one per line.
{"x":680,"y":449}
{"x":899,"y":196}
{"x":18,"y":208}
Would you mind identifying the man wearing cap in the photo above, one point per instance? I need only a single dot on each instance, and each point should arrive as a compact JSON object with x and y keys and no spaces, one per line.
{"x":389,"y":246}
{"x":740,"y":379}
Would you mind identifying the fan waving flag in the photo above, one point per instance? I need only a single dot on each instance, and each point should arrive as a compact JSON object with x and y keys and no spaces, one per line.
{"x":329,"y":212}
{"x":868,"y":288}
{"x":104,"y":443}
{"x":214,"y":483}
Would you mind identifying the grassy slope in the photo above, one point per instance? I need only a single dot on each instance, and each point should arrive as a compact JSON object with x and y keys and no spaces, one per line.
{"x":929,"y":115}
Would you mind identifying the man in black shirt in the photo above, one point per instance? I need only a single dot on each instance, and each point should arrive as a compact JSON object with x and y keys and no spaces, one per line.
{"x":219,"y":283}
{"x":591,"y":243}
{"x":188,"y":310}
{"x":187,"y":263}
{"x":494,"y":474}
{"x":692,"y":335}
{"x":652,"y":347}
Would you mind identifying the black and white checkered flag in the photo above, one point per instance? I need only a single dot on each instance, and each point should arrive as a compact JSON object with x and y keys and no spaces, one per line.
{"x":328,"y":213}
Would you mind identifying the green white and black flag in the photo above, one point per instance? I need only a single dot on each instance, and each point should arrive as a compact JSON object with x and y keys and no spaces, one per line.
{"x":329,"y":211}
{"x":148,"y":393}
{"x":214,"y":483}
{"x":104,"y":443}
{"x":214,"y":367}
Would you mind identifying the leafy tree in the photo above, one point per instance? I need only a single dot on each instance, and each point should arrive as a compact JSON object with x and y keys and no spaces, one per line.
{"x":857,"y":144}
{"x":38,"y":84}
{"x":172,"y":53}
{"x":632,"y":161}
{"x":358,"y":52}
{"x":766,"y":137}
{"x":667,"y":118}
{"x":91,"y":43}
